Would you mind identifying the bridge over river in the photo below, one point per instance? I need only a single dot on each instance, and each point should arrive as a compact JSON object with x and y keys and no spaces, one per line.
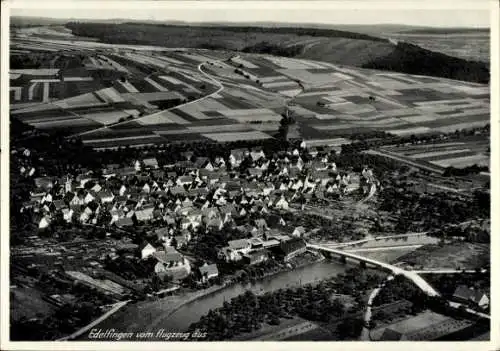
{"x":413,"y":276}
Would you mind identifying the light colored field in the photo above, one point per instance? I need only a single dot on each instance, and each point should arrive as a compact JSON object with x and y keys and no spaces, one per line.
{"x":465,"y":161}
{"x":288,"y":63}
{"x":163,"y":117}
{"x":460,"y":126}
{"x":328,"y":142}
{"x":280,"y":84}
{"x":270,"y":79}
{"x":36,"y":72}
{"x":290,"y":93}
{"x":438,"y":153}
{"x":335,"y":99}
{"x":110,"y":95}
{"x":128,"y":86}
{"x":245,"y":112}
{"x":88,"y":99}
{"x":61,"y":123}
{"x":334,"y":126}
{"x":171,"y":79}
{"x":169,"y":60}
{"x":416,"y":119}
{"x":472,"y":90}
{"x":45,"y":96}
{"x":246,"y":64}
{"x":109,"y":117}
{"x":351,"y":108}
{"x":210,"y":105}
{"x":308,"y":77}
{"x":196,"y":57}
{"x":409,"y":131}
{"x":225,"y":137}
{"x":155,"y":84}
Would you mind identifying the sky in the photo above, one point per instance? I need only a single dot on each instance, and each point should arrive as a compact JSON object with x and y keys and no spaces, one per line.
{"x":436,"y":13}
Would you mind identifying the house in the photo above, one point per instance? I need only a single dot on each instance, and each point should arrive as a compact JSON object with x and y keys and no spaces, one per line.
{"x":145,"y":214}
{"x":471,"y":296}
{"x":106,"y":196}
{"x":146,"y":250}
{"x":281,"y":203}
{"x":291,"y":248}
{"x":208,"y":272}
{"x":261,"y":224}
{"x":256,"y":257}
{"x":150,"y":163}
{"x":274,"y":221}
{"x":237,"y":156}
{"x":299,"y":232}
{"x":235,"y":250}
{"x":171,"y":262}
{"x":184,"y":180}
{"x":44,"y":222}
{"x":124,"y":222}
{"x":257,"y":154}
{"x":67,"y":214}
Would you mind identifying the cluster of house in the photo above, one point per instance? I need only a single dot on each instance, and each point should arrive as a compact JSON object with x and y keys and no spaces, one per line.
{"x":188,"y":190}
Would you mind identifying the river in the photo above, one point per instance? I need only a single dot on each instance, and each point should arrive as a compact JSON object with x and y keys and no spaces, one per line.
{"x":192,"y":312}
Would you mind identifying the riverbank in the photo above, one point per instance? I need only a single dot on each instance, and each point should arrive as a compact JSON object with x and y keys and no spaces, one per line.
{"x":215,"y":288}
{"x":153,"y":315}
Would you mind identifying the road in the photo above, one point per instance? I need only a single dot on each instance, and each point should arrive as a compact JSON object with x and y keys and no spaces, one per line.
{"x":218,"y":83}
{"x":447,"y":271}
{"x":385,"y":248}
{"x":365,"y":333}
{"x":373,"y":190}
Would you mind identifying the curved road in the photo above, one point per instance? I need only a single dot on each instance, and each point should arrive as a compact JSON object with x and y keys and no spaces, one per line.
{"x":365,"y":333}
{"x":218,"y":83}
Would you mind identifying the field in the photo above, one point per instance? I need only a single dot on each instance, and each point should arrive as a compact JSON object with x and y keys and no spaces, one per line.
{"x":455,"y":154}
{"x":198,"y":94}
{"x":461,"y":254}
{"x":427,"y":325}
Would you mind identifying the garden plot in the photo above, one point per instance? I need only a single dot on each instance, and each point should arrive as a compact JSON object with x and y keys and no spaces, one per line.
{"x":231,"y":136}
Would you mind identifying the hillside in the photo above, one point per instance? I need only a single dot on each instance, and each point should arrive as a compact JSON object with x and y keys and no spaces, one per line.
{"x":333,"y":46}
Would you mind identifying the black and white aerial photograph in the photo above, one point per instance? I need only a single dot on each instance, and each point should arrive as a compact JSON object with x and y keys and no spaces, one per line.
{"x":248,"y":171}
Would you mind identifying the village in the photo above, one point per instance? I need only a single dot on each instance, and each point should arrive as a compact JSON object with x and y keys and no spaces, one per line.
{"x":151,"y":217}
